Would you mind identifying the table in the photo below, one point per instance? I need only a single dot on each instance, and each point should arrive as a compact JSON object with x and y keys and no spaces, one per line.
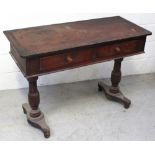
{"x":51,"y":48}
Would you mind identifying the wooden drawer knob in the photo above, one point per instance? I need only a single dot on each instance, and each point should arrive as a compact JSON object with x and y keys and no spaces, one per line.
{"x":69,"y":59}
{"x":117,"y":49}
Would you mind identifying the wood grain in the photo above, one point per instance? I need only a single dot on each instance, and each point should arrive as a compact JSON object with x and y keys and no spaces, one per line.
{"x":54,"y":38}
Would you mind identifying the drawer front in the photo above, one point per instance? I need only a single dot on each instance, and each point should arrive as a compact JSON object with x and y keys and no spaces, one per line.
{"x":69,"y":59}
{"x":90,"y":55}
{"x":121,"y":49}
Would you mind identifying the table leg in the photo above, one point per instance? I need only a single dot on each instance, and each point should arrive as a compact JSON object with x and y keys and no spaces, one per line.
{"x":34,"y":116}
{"x":113,"y":92}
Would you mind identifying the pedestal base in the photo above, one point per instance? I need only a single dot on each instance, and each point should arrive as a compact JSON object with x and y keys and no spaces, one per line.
{"x":38,"y":122}
{"x":118,"y":97}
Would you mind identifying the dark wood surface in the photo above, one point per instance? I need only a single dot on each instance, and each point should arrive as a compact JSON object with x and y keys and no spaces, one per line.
{"x":54,"y":38}
{"x":45,"y":49}
{"x":91,"y":55}
{"x":39,"y":65}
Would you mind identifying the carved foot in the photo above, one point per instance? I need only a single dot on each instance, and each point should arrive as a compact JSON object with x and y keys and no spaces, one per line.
{"x":118,"y":97}
{"x":38,"y":122}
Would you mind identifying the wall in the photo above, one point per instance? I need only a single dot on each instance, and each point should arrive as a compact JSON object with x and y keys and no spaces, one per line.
{"x":11,"y":77}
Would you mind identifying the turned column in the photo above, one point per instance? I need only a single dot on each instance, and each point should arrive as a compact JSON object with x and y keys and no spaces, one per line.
{"x":116,"y":76}
{"x":34,"y":116}
{"x":33,"y":97}
{"x":113,"y":92}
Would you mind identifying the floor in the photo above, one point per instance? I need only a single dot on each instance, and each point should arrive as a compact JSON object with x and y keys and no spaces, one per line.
{"x":77,"y":111}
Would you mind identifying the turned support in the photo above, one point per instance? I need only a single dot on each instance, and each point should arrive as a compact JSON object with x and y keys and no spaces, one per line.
{"x":33,"y":97}
{"x":113,"y":92}
{"x":116,"y":76}
{"x":34,"y":116}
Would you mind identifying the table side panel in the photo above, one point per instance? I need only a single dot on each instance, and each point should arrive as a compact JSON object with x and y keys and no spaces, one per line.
{"x":33,"y":66}
{"x":21,"y":62}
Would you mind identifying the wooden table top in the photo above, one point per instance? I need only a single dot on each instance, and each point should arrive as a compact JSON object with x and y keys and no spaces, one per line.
{"x":52,"y":38}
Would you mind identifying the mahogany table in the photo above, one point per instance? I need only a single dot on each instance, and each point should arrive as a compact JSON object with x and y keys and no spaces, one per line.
{"x":51,"y":48}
